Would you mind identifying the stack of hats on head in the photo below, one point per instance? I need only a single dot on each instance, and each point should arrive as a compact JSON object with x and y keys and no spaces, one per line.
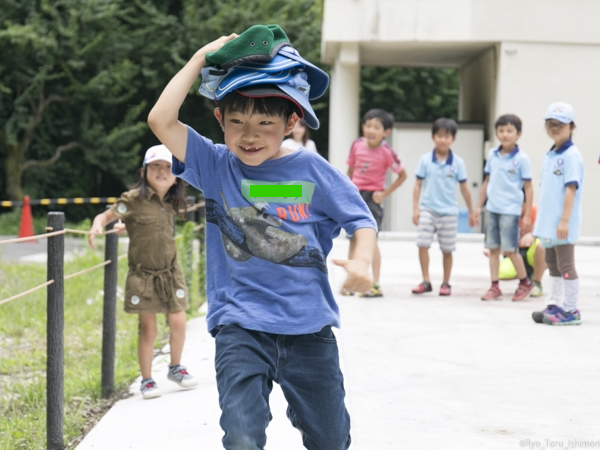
{"x":260,"y":62}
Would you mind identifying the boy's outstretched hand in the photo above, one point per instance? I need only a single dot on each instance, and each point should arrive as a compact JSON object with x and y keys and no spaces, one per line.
{"x":358,"y":279}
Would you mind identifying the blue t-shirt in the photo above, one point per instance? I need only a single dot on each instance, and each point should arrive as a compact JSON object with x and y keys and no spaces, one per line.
{"x":266,"y":257}
{"x":561,"y":167}
{"x":439,"y":182}
{"x":507,"y":175}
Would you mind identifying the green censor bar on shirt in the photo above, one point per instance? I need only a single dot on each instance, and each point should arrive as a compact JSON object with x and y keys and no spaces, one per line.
{"x":275,"y":190}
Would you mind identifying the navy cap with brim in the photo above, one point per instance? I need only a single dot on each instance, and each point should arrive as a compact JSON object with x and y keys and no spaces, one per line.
{"x":288,"y":92}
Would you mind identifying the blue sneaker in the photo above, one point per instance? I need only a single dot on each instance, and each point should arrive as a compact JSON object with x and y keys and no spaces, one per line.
{"x":180,"y":375}
{"x":538,"y":316}
{"x":562,"y":317}
{"x":149,"y":389}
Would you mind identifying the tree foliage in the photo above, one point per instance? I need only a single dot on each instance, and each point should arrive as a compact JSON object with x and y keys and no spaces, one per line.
{"x":78,"y":78}
{"x":410,"y":94}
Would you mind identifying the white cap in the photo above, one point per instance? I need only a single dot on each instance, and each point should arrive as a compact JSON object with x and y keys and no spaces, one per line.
{"x":158,"y":153}
{"x":563,"y":112}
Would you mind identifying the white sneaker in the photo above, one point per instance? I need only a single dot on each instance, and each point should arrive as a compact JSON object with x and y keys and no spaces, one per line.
{"x":180,"y":375}
{"x":150,"y":389}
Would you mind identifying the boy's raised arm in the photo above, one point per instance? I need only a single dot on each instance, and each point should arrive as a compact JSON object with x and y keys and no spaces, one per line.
{"x":164,"y":116}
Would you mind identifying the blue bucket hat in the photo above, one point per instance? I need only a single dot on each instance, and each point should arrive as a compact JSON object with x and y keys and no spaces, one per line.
{"x":217,"y":83}
{"x":283,"y":76}
{"x":296,"y":89}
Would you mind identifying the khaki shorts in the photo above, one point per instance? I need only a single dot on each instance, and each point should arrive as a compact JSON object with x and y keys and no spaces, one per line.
{"x":153,"y":292}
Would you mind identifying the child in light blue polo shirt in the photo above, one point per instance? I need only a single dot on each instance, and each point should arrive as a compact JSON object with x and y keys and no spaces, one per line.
{"x":435,"y":209}
{"x":559,"y":217}
{"x":506,"y":184}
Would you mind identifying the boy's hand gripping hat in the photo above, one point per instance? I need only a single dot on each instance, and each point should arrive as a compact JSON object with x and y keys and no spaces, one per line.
{"x":285,"y":75}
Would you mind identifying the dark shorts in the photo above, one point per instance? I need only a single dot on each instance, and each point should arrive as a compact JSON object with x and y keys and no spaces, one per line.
{"x":376,"y":209}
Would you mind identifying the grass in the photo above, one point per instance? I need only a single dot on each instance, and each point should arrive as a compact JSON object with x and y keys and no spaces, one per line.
{"x":23,"y":350}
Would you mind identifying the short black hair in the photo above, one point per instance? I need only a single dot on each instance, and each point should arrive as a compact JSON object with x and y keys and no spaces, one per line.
{"x":386,"y":119}
{"x":509,"y":119}
{"x":270,"y":106}
{"x":444,"y":124}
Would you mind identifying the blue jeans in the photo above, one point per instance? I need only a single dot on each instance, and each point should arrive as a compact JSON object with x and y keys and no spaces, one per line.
{"x":502,"y":232}
{"x":307,"y":369}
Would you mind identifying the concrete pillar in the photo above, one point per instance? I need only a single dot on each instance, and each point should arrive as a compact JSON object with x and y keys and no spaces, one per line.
{"x":344,"y":105}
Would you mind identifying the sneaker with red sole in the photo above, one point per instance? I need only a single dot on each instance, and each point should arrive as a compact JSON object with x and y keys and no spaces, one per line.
{"x":522,"y":292}
{"x":425,"y":286}
{"x":493,"y":293}
{"x":445,"y":289}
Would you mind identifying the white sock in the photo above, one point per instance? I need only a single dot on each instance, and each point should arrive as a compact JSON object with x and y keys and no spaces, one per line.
{"x":555,"y":296}
{"x":571,"y":295}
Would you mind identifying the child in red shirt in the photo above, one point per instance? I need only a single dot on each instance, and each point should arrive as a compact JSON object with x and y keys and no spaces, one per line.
{"x":370,"y":158}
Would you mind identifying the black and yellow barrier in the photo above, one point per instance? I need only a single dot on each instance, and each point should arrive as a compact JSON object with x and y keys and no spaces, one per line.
{"x":60,"y":201}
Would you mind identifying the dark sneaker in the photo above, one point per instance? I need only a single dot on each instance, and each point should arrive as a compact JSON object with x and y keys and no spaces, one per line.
{"x":180,"y":375}
{"x":538,"y":316}
{"x":425,"y":286}
{"x":375,"y":291}
{"x":562,"y":317}
{"x":445,"y":289}
{"x":522,"y":292}
{"x":493,"y":293}
{"x":150,"y":389}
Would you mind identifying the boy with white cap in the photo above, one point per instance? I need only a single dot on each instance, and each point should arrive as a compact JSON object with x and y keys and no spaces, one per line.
{"x":271,"y":216}
{"x":559,"y":217}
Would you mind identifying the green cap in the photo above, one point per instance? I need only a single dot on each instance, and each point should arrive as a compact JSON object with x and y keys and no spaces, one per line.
{"x":257,"y":43}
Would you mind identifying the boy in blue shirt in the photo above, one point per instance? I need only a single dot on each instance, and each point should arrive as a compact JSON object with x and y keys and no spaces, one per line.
{"x":435,"y":209}
{"x":270,"y":305}
{"x":559,"y":217}
{"x":507,"y":186}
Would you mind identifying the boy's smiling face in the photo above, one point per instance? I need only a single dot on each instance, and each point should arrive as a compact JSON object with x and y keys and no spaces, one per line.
{"x":374,"y":132}
{"x":255,"y":138}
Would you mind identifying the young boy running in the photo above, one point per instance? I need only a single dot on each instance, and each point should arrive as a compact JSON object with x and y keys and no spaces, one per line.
{"x":436,"y":210}
{"x":507,"y":180}
{"x":271,"y":216}
{"x":370,"y":158}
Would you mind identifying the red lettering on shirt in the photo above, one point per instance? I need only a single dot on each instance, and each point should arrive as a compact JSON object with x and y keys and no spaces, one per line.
{"x":281,"y":213}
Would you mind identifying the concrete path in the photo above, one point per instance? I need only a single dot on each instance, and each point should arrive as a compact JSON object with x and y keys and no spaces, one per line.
{"x":420,"y":372}
{"x":36,"y":251}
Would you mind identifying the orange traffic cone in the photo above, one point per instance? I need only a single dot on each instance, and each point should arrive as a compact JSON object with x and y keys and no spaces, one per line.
{"x":26,"y":229}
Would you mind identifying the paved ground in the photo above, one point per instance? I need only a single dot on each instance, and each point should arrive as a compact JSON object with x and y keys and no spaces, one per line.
{"x":35,"y":251}
{"x":421,"y":372}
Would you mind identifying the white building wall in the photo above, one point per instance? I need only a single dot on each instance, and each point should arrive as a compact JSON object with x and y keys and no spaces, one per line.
{"x":530,"y":78}
{"x":477,"y":96}
{"x":345,"y":94}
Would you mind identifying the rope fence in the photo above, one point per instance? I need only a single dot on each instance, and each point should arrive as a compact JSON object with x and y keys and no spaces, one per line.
{"x":24,"y":293}
{"x":55,"y":313}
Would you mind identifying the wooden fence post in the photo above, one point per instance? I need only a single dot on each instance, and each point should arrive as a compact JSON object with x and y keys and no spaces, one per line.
{"x":109,"y":314}
{"x":55,"y":325}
